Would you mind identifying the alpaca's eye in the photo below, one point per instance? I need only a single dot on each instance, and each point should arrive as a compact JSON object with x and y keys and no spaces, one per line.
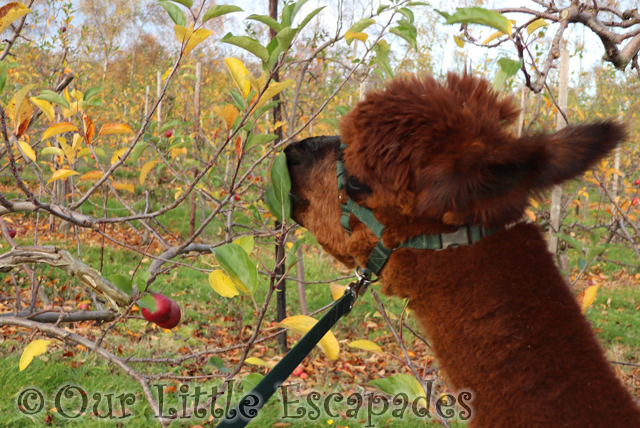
{"x":353,"y":185}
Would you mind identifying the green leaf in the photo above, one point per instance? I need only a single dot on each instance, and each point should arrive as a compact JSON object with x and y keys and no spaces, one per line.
{"x":258,"y":139}
{"x":219,"y":10}
{"x":274,"y":206}
{"x":281,"y":183}
{"x":407,"y":31}
{"x":168,"y":126}
{"x":250,"y":381}
{"x":508,"y":68}
{"x":407,"y":13}
{"x":296,"y":8}
{"x":291,"y":257}
{"x":581,"y":263}
{"x":259,"y":112}
{"x":400,"y":384}
{"x":218,"y":363}
{"x":382,"y":49}
{"x":148,"y":302}
{"x":481,"y":16}
{"x":444,"y":14}
{"x":309,"y":17}
{"x":595,"y":237}
{"x":235,"y":261}
{"x":3,"y":81}
{"x":138,"y":150}
{"x":248,"y":44}
{"x":594,"y":252}
{"x":185,"y":3}
{"x":267,"y":20}
{"x":285,"y":36}
{"x":382,"y":8}
{"x":342,"y":110}
{"x":238,"y":101}
{"x":92,"y":92}
{"x":362,"y":25}
{"x":417,"y":3}
{"x":174,"y":12}
{"x":255,"y":213}
{"x":122,"y":282}
{"x":574,"y":243}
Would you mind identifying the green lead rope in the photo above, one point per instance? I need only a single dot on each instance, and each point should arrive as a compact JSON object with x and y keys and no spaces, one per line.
{"x":248,"y":407}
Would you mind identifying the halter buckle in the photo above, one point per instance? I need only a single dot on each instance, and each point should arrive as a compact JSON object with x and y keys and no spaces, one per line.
{"x":359,"y":287}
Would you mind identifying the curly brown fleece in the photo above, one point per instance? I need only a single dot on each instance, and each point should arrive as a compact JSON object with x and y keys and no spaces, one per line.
{"x":502,"y":322}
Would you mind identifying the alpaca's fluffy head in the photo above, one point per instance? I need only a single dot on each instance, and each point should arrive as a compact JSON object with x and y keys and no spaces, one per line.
{"x":429,"y":157}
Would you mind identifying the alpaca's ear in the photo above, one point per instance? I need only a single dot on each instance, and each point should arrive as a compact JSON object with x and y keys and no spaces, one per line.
{"x":574,"y":150}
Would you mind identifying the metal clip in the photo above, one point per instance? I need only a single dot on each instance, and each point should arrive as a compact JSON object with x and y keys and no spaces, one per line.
{"x":359,"y":287}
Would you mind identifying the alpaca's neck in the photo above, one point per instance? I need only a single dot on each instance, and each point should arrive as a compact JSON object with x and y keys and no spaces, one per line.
{"x":504,"y":325}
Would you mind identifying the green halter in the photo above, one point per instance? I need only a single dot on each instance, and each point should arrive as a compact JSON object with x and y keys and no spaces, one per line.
{"x":466,"y":235}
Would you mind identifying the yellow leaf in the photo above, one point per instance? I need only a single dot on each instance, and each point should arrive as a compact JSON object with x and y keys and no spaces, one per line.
{"x":125,"y":186}
{"x":117,"y":155}
{"x":62,"y":173}
{"x":246,"y":242}
{"x":589,"y":296}
{"x":115,"y":128}
{"x":183,"y":33}
{"x":74,"y":108}
{"x":273,"y":89}
{"x":492,"y":37}
{"x":195,"y":39}
{"x":57,"y":129}
{"x":175,"y":152}
{"x":89,"y":128}
{"x":229,"y":114}
{"x":177,"y":195}
{"x":257,"y":362}
{"x":337,"y":290}
{"x":221,"y":284}
{"x":46,"y":107}
{"x":302,"y":324}
{"x":52,"y":151}
{"x":71,"y":154}
{"x":146,"y":168}
{"x":530,"y":214}
{"x":166,"y":73}
{"x":35,"y":348}
{"x":458,"y":41}
{"x":535,"y":25}
{"x":350,"y":35}
{"x":257,"y":84}
{"x":91,"y":175}
{"x":366,"y":345}
{"x":27,"y":150}
{"x":9,"y":13}
{"x":238,"y":73}
{"x":77,"y":141}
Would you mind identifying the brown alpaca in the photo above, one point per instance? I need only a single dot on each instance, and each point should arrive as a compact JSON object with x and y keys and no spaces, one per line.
{"x":430,"y":158}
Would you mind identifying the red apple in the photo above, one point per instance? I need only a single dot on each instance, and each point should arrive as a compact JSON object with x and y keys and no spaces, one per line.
{"x":236,"y":197}
{"x":163,"y":309}
{"x":298,"y":371}
{"x":168,"y":133}
{"x":12,"y":233}
{"x":174,"y":317}
{"x":637,"y":182}
{"x":304,"y":376}
{"x":634,"y":202}
{"x":93,"y":156}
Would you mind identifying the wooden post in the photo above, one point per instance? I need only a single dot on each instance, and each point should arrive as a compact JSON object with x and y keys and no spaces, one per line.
{"x":556,"y":194}
{"x":523,"y":110}
{"x":159,"y":93}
